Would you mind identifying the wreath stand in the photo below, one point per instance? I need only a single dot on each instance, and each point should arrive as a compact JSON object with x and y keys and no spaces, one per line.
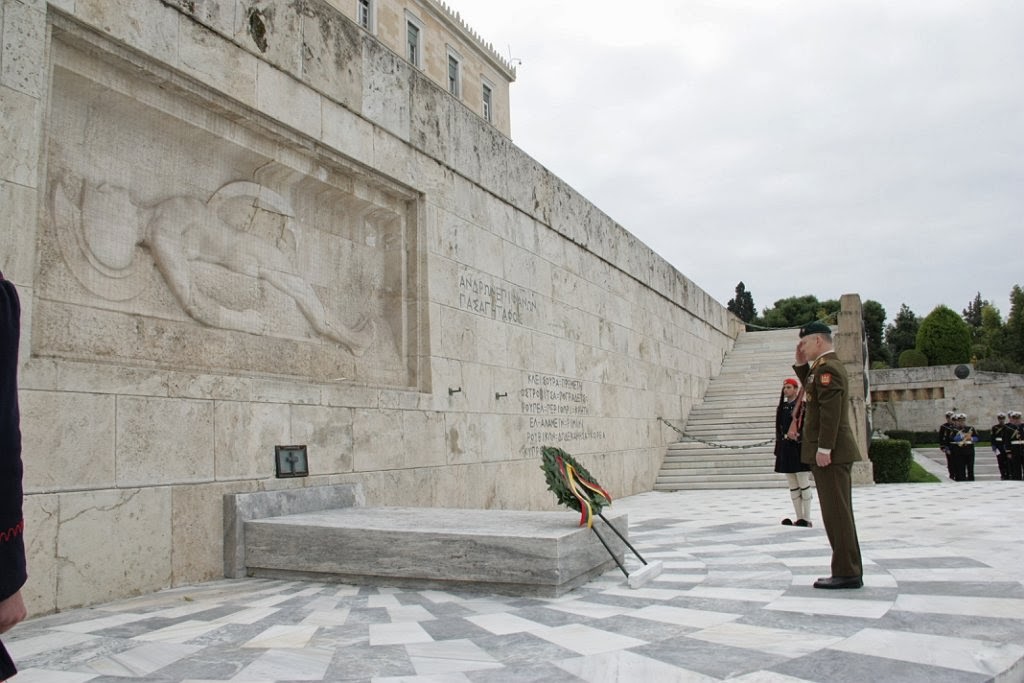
{"x":575,"y":488}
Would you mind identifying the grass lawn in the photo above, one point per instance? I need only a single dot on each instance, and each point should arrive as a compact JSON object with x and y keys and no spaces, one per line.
{"x":919,"y":475}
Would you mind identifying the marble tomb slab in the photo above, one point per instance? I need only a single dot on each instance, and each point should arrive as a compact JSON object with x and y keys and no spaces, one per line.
{"x":504,"y":551}
{"x":242,"y":507}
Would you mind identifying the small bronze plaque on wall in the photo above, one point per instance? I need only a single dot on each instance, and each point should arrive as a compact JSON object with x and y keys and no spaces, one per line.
{"x":291,"y":461}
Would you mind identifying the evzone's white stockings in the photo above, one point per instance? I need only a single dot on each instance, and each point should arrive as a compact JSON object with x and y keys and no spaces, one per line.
{"x":800,"y":492}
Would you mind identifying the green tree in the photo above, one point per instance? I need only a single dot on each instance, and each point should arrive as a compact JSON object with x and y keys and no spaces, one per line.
{"x":972,"y":314}
{"x":994,"y":354}
{"x":901,"y":333}
{"x":988,"y":338}
{"x":874,"y":330}
{"x":797,"y":311}
{"x":1013,"y":343}
{"x":742,"y":304}
{"x":944,"y":337}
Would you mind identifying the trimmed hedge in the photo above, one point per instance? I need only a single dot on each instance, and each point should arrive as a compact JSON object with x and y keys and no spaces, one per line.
{"x":891,"y":459}
{"x":912,"y":358}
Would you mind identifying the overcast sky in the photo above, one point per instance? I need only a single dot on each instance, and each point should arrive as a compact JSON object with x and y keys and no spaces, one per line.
{"x":801,"y":146}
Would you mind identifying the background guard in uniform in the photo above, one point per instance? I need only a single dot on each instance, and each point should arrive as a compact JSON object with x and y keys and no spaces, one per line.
{"x":963,"y":442}
{"x":999,"y":445}
{"x":787,"y":451}
{"x":946,"y":431}
{"x":1015,"y":450}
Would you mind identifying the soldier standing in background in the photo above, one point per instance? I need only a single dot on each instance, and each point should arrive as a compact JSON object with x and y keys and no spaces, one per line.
{"x":946,"y":431}
{"x":787,"y":452}
{"x":999,"y":445}
{"x":964,"y":439}
{"x":1014,"y":437}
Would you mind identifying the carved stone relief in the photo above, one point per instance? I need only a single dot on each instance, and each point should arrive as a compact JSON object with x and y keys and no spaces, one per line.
{"x":186,"y":239}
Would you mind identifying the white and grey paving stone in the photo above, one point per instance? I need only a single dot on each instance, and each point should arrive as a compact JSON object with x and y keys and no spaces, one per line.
{"x":943,"y":601}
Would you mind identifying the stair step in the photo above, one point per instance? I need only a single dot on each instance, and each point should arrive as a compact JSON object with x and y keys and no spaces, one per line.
{"x":706,"y":485}
{"x":744,"y":478}
{"x":736,"y":415}
{"x":751,"y":471}
{"x":678,"y":460}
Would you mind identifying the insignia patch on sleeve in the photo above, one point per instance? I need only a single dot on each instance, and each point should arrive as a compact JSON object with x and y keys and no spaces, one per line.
{"x":825,"y":378}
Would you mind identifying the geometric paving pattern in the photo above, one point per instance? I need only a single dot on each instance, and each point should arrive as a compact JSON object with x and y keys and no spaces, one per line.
{"x":943,"y":601}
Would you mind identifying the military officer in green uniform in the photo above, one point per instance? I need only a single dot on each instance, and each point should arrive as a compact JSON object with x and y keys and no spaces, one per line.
{"x":830,"y":448}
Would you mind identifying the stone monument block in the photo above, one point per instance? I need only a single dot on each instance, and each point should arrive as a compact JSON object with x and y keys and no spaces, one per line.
{"x":152,"y":447}
{"x":133,"y":528}
{"x":239,"y":226}
{"x":332,"y":54}
{"x":505,"y":551}
{"x":233,"y":253}
{"x":42,"y":516}
{"x":197,"y":530}
{"x":18,"y":209}
{"x":246,"y":433}
{"x":240,"y":508}
{"x":68,"y":441}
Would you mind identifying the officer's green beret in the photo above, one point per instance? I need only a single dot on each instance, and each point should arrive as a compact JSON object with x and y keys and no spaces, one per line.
{"x":815,"y":328}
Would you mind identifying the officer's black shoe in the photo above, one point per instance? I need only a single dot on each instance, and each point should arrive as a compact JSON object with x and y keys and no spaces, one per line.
{"x":787,"y":522}
{"x":802,"y":522}
{"x":839,"y":582}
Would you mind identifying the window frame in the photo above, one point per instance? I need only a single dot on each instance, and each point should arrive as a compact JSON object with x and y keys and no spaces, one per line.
{"x":413,"y":22}
{"x":371,"y":15}
{"x":487,"y":100}
{"x":454,"y":85}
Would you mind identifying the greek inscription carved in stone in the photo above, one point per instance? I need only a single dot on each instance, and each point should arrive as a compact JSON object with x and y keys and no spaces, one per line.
{"x":557,"y":407}
{"x":498,"y":301}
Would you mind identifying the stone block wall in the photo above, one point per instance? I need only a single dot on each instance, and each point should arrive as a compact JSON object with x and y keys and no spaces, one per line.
{"x":225,"y":244}
{"x":851,"y":348}
{"x":916,"y":399}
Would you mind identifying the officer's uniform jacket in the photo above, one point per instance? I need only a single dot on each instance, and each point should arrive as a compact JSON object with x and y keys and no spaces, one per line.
{"x":1015,"y":438}
{"x":998,"y":435}
{"x":827,"y":411}
{"x":946,"y":432}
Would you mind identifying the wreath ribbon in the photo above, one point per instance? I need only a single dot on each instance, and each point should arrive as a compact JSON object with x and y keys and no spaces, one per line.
{"x":582,"y":490}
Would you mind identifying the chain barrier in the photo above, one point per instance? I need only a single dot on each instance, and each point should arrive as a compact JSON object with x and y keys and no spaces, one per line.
{"x":715,"y":444}
{"x":829,"y":319}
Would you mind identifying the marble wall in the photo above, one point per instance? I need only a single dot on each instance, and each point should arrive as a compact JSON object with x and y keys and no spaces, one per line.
{"x":223,"y":245}
{"x":917,"y":399}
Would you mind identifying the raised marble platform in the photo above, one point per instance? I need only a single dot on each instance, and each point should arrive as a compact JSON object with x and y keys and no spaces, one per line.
{"x":503,"y":551}
{"x":242,"y":507}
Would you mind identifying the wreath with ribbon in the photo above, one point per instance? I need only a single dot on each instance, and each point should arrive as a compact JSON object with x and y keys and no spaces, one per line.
{"x":573,"y":485}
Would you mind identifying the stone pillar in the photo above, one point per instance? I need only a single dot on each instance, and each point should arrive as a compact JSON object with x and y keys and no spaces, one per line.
{"x":850,"y":347}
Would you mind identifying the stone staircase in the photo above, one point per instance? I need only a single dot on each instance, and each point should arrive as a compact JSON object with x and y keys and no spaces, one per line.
{"x":738,"y":410}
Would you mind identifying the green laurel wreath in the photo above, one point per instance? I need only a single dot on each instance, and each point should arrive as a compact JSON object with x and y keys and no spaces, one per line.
{"x":560,"y":487}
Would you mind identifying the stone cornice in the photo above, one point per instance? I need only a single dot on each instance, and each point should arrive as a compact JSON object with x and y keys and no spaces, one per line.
{"x":456,"y":23}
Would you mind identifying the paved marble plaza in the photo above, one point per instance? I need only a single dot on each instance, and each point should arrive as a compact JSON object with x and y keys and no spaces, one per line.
{"x":943,"y":601}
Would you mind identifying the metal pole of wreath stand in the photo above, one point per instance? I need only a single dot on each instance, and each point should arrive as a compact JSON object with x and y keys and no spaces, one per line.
{"x":641,"y":576}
